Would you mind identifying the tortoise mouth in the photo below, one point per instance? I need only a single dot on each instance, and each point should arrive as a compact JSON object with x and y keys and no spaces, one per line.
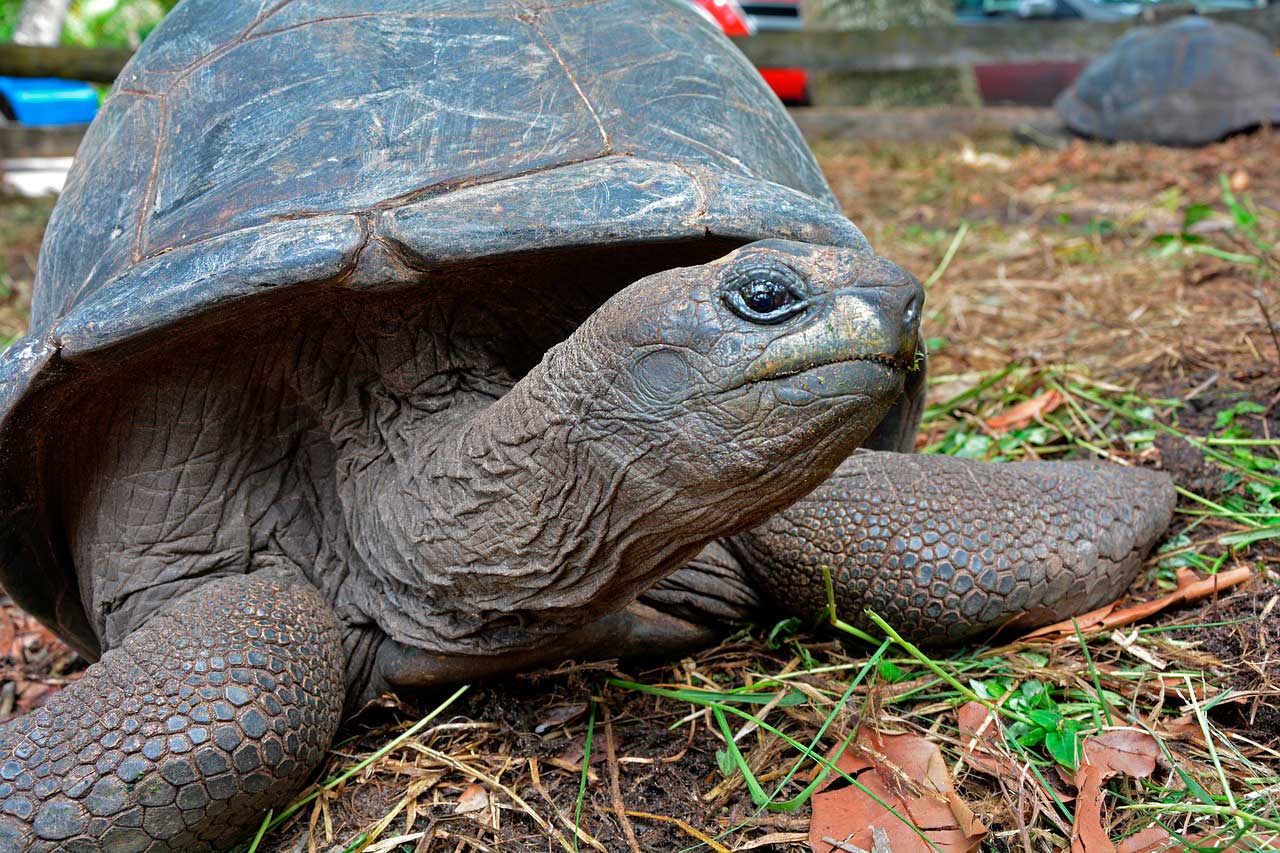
{"x":893,"y":365}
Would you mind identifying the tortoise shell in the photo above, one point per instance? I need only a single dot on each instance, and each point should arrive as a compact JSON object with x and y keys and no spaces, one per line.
{"x":1187,"y":82}
{"x":253,"y":147}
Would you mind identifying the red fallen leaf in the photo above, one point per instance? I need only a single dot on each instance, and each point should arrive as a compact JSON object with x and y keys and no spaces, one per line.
{"x":1132,"y":752}
{"x":1251,"y":843}
{"x":1183,"y":728}
{"x":473,"y":799}
{"x":1153,"y":839}
{"x":907,"y":773}
{"x":980,"y":732}
{"x":1025,"y":412}
{"x":1128,"y":751}
{"x":1087,"y":834}
{"x":1150,"y":840}
{"x":8,"y":632}
{"x":1190,"y":588}
{"x":30,"y":694}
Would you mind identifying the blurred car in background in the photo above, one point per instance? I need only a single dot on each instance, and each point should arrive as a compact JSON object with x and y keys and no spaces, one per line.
{"x":992,"y":11}
{"x":791,"y":85}
{"x":1090,"y":10}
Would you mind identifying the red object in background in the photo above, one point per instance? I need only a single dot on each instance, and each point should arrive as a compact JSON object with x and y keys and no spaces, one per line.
{"x":727,"y":15}
{"x":791,"y":85}
{"x":1033,"y":84}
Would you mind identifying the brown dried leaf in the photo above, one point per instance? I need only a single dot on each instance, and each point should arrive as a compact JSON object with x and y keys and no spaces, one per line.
{"x":1087,"y":834}
{"x":559,"y":716}
{"x":1149,"y":840}
{"x":907,"y":773}
{"x":8,"y":632}
{"x":473,"y":799}
{"x":1025,"y":412}
{"x":1128,"y":751}
{"x":1190,"y":588}
{"x":1181,"y":729}
{"x":773,"y":839}
{"x":982,"y":741}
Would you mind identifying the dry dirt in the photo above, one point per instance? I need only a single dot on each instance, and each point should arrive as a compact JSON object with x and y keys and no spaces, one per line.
{"x":1057,"y":265}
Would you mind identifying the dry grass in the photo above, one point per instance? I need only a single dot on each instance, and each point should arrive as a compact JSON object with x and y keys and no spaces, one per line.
{"x":1058,"y":264}
{"x":1163,"y":359}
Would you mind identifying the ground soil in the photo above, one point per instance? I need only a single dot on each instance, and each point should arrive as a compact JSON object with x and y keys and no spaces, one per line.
{"x":1058,"y":265}
{"x":1245,"y":627}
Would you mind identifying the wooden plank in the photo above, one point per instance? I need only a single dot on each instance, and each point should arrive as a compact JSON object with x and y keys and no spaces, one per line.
{"x":921,"y":124}
{"x":18,"y":141}
{"x":72,"y":63}
{"x":949,"y":46}
{"x":911,"y":48}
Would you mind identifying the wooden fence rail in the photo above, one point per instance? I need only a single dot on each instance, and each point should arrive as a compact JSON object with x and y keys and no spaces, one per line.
{"x":951,"y":46}
{"x":73,"y":63}
{"x":896,"y":49}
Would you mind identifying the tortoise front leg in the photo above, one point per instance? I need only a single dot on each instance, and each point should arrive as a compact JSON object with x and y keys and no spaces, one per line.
{"x":947,"y":548}
{"x":214,"y":711}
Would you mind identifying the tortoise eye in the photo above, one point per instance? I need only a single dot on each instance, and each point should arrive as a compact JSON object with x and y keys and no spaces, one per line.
{"x":764,"y":291}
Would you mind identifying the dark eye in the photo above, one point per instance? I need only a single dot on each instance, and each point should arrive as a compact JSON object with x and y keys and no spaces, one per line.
{"x":764,"y":297}
{"x":764,"y":291}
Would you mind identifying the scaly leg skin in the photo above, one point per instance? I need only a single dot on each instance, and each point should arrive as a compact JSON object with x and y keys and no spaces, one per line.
{"x":182,"y":737}
{"x":945,"y":549}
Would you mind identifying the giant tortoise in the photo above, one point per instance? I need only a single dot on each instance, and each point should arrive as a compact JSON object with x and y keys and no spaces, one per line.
{"x":393,"y":344}
{"x":1188,"y":82}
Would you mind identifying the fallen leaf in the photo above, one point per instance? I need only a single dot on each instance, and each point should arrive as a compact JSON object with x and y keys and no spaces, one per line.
{"x":1149,"y":840}
{"x":1181,"y":729}
{"x":773,"y":839}
{"x":1025,"y":412}
{"x":30,"y":694}
{"x":1131,"y":752}
{"x":1251,"y":843}
{"x":559,"y":716}
{"x":982,"y":739}
{"x":8,"y":632}
{"x":473,"y":799}
{"x":1190,"y":588}
{"x":905,"y":772}
{"x":1087,"y":832}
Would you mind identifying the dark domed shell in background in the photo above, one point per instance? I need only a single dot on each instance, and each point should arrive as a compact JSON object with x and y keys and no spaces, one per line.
{"x":1188,"y":82}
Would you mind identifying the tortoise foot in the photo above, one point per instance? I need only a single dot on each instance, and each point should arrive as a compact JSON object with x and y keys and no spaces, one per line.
{"x":945,"y":548}
{"x":182,"y":737}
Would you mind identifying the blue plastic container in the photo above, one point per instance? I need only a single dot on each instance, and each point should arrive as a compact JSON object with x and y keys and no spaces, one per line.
{"x":48,"y":101}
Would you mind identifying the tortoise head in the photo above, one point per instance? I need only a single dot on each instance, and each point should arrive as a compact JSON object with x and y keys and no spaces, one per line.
{"x":778,"y":355}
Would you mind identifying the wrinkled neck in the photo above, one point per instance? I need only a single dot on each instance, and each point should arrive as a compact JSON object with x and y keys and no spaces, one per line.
{"x":501,"y":525}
